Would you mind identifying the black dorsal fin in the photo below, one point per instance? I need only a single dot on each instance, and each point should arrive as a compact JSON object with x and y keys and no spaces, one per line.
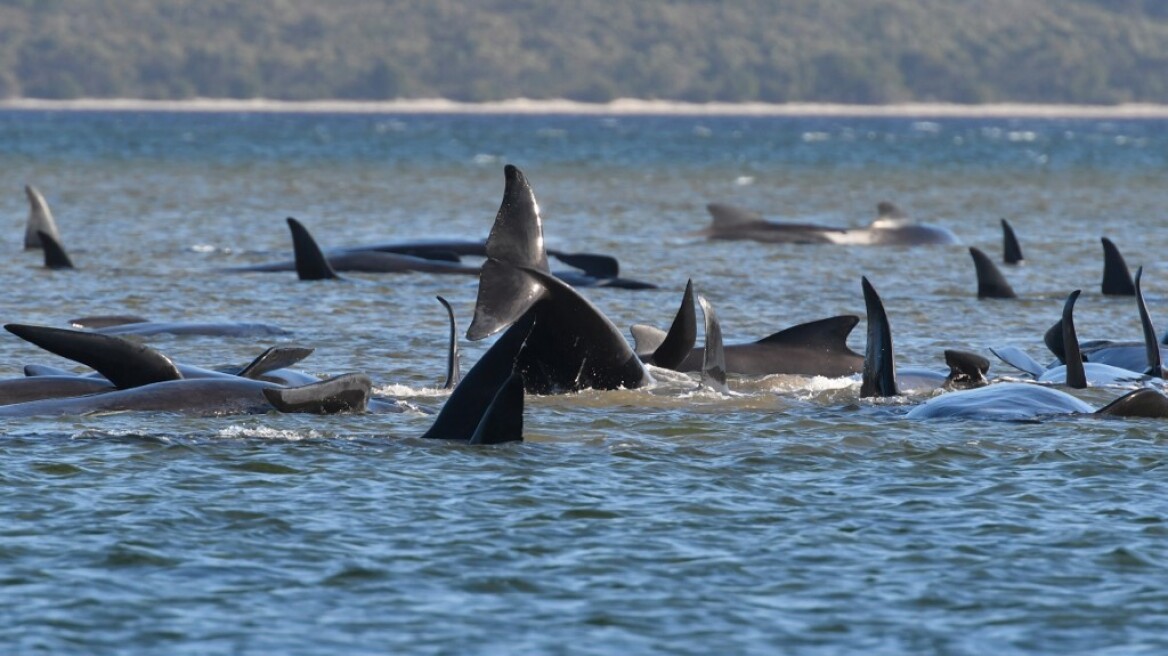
{"x":276,"y":357}
{"x":1151,"y":345}
{"x":1076,"y":375}
{"x":345,"y":393}
{"x":503,"y":419}
{"x":453,"y":368}
{"x":682,"y":335}
{"x":966,"y":369}
{"x":879,"y":378}
{"x":725,"y":216}
{"x":311,"y":264}
{"x":506,"y":292}
{"x":1117,"y":280}
{"x":1011,"y":250}
{"x":55,"y":255}
{"x":990,"y":281}
{"x":714,"y":354}
{"x":829,"y":335}
{"x":124,"y":363}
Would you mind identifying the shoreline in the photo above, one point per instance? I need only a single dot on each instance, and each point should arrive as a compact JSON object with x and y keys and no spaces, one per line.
{"x":619,"y":107}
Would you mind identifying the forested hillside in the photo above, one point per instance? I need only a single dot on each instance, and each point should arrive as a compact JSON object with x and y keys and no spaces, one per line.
{"x":849,"y":51}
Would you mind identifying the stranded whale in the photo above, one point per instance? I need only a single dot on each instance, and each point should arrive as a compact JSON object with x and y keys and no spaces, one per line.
{"x":891,"y":228}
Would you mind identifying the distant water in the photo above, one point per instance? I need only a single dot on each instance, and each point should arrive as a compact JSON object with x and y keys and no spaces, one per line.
{"x":791,"y":517}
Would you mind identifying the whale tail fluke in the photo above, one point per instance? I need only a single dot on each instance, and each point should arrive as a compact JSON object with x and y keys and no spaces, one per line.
{"x":503,"y":419}
{"x":124,"y":363}
{"x":345,"y":393}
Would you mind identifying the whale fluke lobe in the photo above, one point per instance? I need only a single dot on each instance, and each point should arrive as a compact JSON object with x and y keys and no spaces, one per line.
{"x":1117,"y":279}
{"x":124,"y":363}
{"x":990,"y":281}
{"x":1011,"y":250}
{"x":311,"y":264}
{"x":879,"y":377}
{"x":276,"y":357}
{"x":503,"y":419}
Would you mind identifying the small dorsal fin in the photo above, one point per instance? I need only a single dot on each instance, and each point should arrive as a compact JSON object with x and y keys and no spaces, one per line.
{"x":276,"y":357}
{"x":714,"y":354}
{"x":345,"y":393}
{"x":879,"y":377}
{"x":725,"y":216}
{"x":1151,"y":345}
{"x":829,"y":335}
{"x":40,"y":219}
{"x":503,"y":419}
{"x":682,"y":334}
{"x":311,"y":264}
{"x":990,"y":281}
{"x":55,"y":255}
{"x":453,"y":368}
{"x":1117,"y":279}
{"x":1011,"y":250}
{"x":124,"y":363}
{"x":1076,"y":373}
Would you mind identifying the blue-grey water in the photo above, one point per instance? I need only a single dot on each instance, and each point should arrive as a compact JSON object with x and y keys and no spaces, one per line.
{"x":791,"y":517}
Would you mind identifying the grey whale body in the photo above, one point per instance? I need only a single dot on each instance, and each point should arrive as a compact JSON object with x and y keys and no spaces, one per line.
{"x":891,"y":228}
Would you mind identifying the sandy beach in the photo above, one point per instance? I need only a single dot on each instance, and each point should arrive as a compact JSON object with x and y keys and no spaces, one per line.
{"x":623,"y":106}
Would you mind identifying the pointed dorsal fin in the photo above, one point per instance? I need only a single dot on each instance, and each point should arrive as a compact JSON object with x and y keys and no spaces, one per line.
{"x":503,"y":419}
{"x":311,"y":264}
{"x":1011,"y":250}
{"x":714,"y":354}
{"x":40,"y":219}
{"x":1151,"y":345}
{"x":124,"y":363}
{"x":1117,"y":279}
{"x":829,"y":335}
{"x":879,"y":378}
{"x":55,"y":255}
{"x":990,"y":281}
{"x":453,"y":368}
{"x":724,"y":216}
{"x":1076,"y":374}
{"x":682,"y":334}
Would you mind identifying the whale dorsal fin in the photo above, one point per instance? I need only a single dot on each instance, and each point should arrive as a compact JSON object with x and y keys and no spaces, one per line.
{"x":1076,"y":373}
{"x":276,"y":357}
{"x":503,"y":419}
{"x":345,"y":393}
{"x":965,"y":369}
{"x":990,"y":281}
{"x":55,"y":255}
{"x":829,"y":335}
{"x":1117,"y":280}
{"x":40,"y":219}
{"x":124,"y":363}
{"x":1011,"y":250}
{"x":682,"y":334}
{"x":725,"y":216}
{"x":453,"y":368}
{"x":311,"y":264}
{"x":879,"y":378}
{"x":506,"y":292}
{"x":714,"y":354}
{"x":1151,"y":345}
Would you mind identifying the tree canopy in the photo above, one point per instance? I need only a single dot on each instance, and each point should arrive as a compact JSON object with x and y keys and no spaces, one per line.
{"x":850,"y":51}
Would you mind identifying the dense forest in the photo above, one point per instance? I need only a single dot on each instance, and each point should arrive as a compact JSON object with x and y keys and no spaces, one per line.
{"x":847,"y":51}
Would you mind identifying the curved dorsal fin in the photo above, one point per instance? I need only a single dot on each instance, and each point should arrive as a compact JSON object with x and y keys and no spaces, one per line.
{"x":1076,"y":374}
{"x":879,"y":378}
{"x":727,"y":215}
{"x":1117,"y":280}
{"x":829,"y":335}
{"x":1011,"y":250}
{"x":453,"y":369}
{"x":990,"y":281}
{"x":40,"y":219}
{"x":55,"y":255}
{"x":682,"y":335}
{"x":714,"y":354}
{"x":124,"y":363}
{"x":311,"y":264}
{"x":1151,"y":345}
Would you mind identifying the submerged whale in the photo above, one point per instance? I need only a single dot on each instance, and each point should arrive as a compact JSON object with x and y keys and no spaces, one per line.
{"x":891,"y":228}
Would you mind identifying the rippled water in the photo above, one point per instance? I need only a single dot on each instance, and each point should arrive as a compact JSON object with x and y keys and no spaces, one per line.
{"x":789,"y":517}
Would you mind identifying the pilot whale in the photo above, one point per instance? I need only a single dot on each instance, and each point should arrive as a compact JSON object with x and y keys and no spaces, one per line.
{"x":891,"y":228}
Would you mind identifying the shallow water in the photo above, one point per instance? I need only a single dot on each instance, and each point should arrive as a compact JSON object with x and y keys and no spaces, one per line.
{"x":792,"y":516}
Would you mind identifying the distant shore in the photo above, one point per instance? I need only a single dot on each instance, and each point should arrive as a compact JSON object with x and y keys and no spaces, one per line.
{"x":624,"y":106}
